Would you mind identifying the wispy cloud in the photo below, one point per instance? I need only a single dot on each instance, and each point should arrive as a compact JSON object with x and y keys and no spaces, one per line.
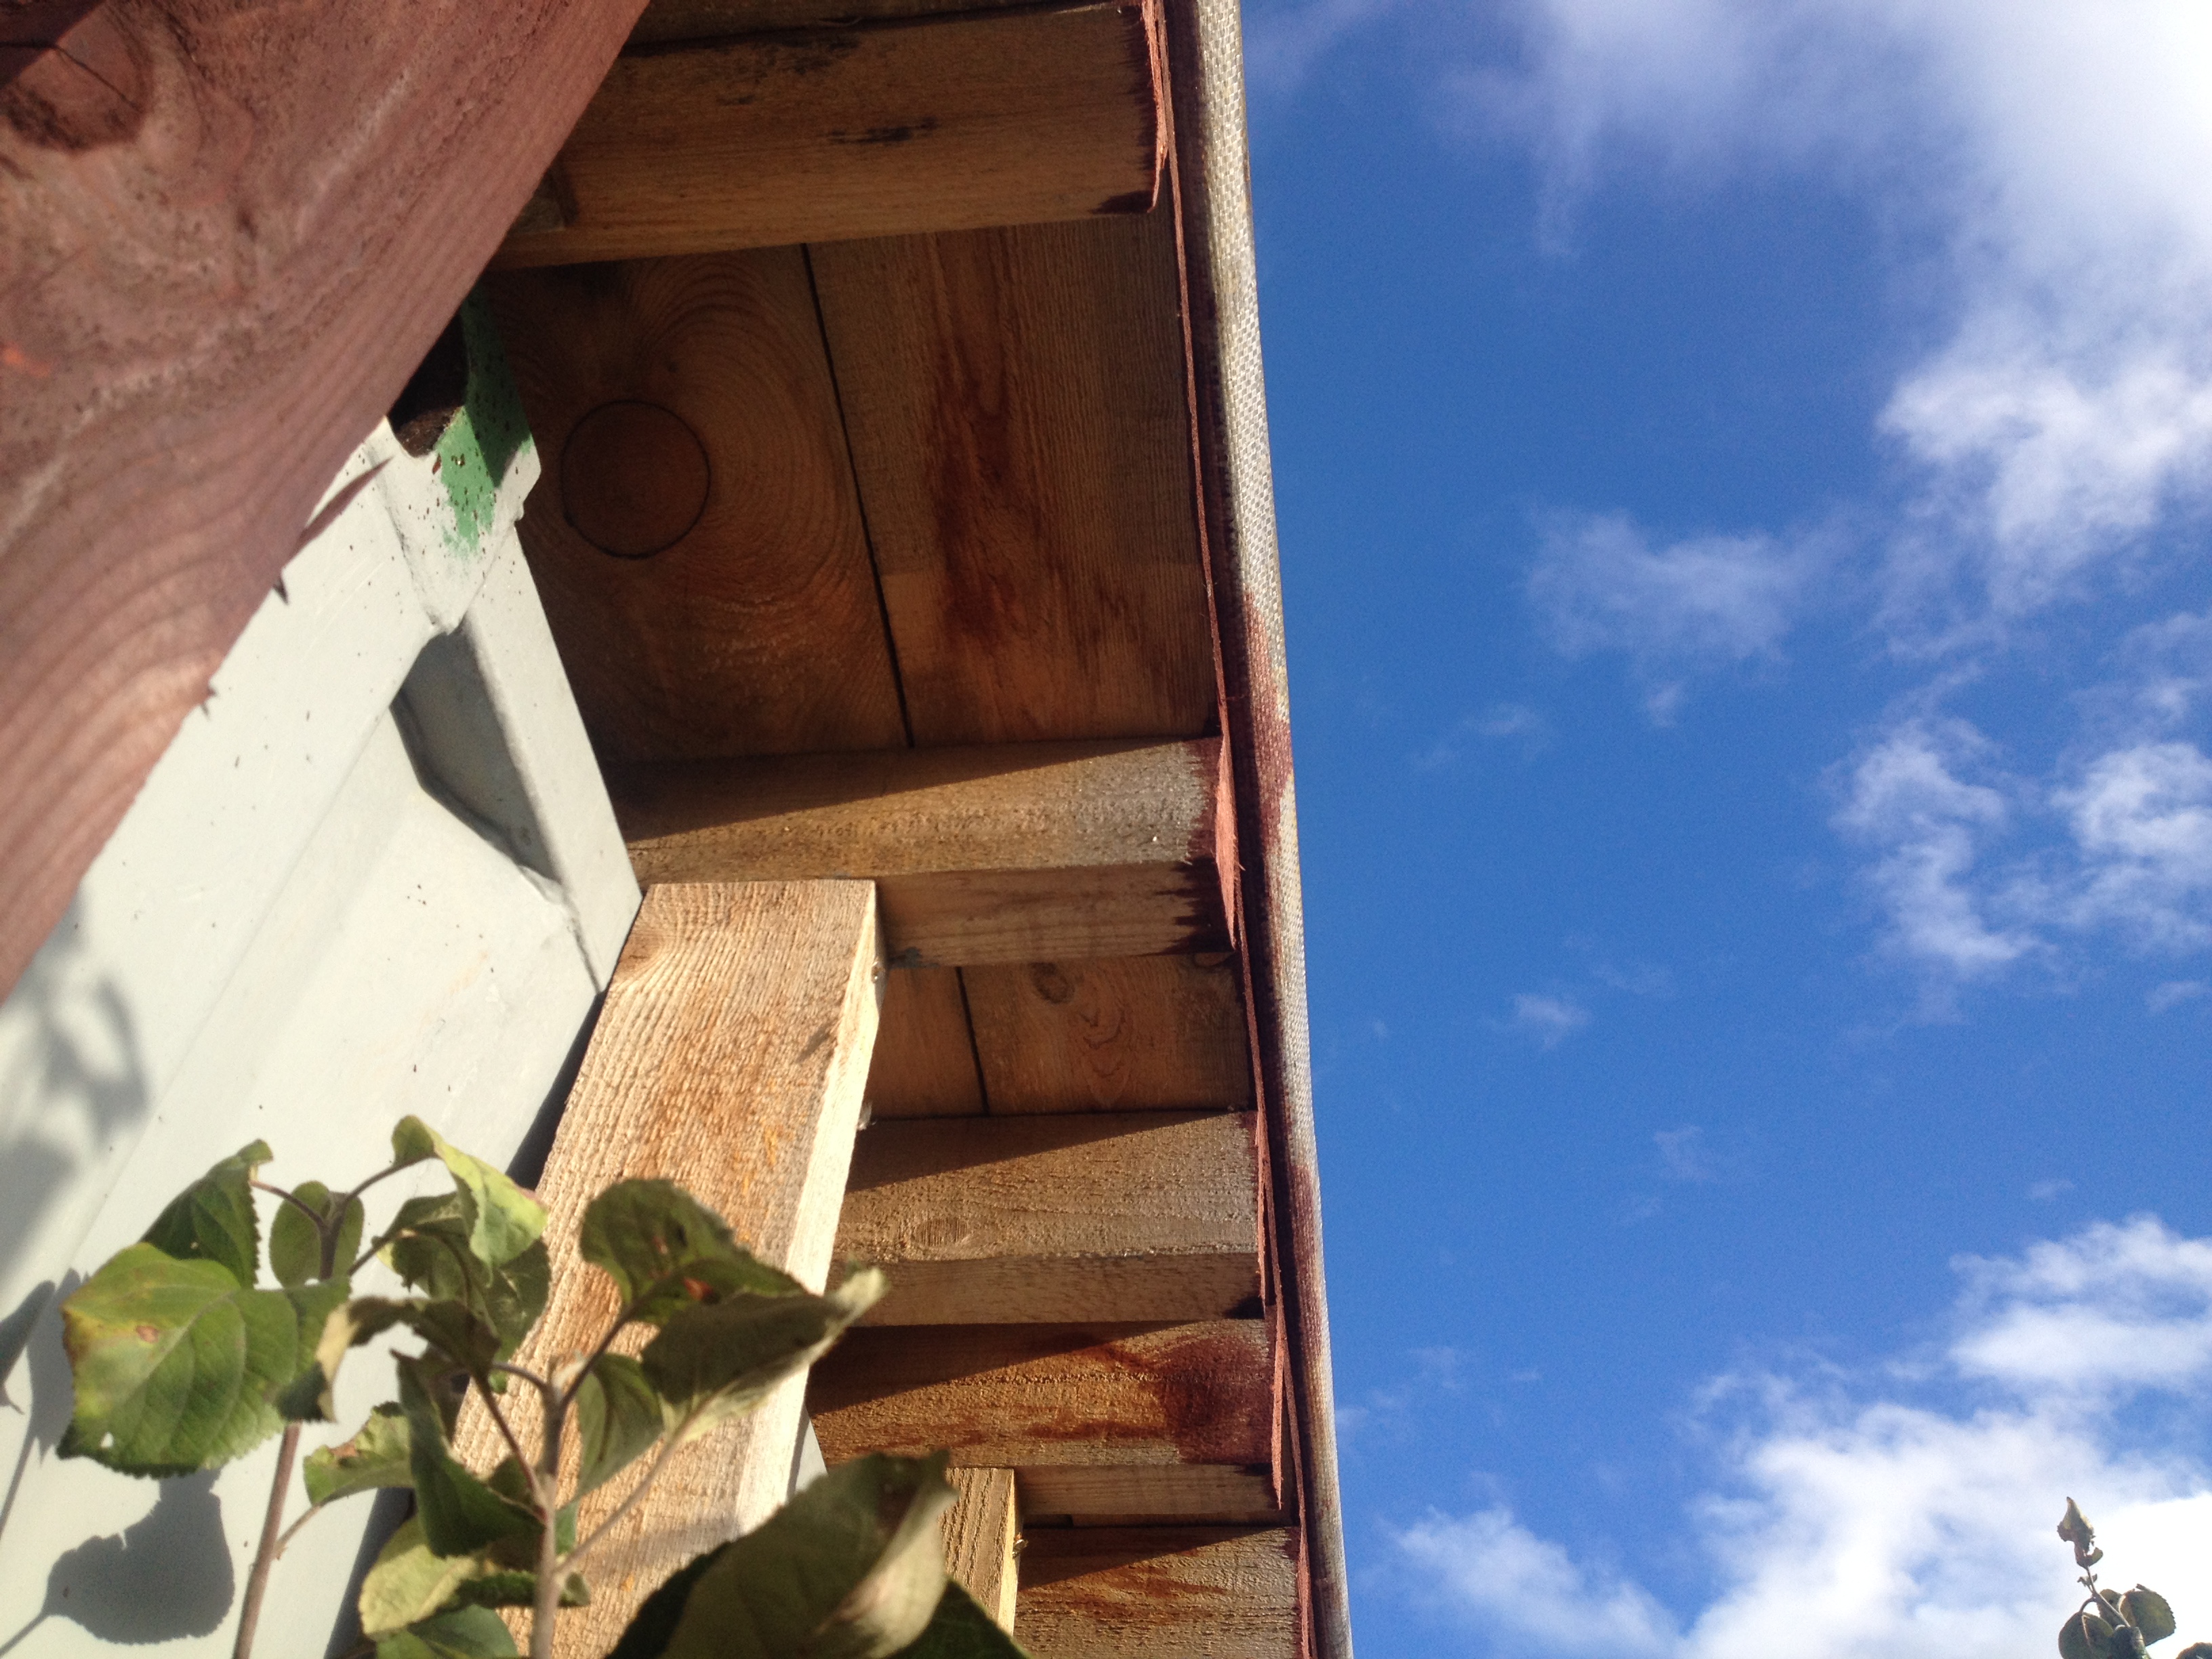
{"x":1501,"y":722}
{"x":1904,"y":1510}
{"x":2175,"y":992}
{"x":1550,"y":1020}
{"x":1683,"y":1155}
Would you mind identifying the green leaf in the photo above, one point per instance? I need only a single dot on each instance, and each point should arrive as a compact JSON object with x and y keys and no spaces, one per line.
{"x":2146,"y":1609}
{"x":176,"y":1366}
{"x":466,"y":1633}
{"x":409,"y":1583}
{"x":666,"y":1251}
{"x":852,"y":1568}
{"x":2196,"y":1650}
{"x":504,"y":1221}
{"x":457,"y":1337}
{"x":295,"y":1243}
{"x":619,"y":1417}
{"x":960,"y":1629}
{"x":2074,"y":1526}
{"x":718,"y":1359}
{"x":430,"y":1249}
{"x":460,"y":1514}
{"x":2085,"y":1636}
{"x":213,"y":1219}
{"x":375,"y":1456}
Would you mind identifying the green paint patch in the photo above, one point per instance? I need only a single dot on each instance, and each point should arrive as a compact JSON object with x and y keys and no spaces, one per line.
{"x":481,"y":443}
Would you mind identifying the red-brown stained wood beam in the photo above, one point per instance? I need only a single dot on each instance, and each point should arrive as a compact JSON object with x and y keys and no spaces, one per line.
{"x":222,"y":252}
{"x":886,"y":129}
{"x":1010,"y":853}
{"x":1139,"y":1592}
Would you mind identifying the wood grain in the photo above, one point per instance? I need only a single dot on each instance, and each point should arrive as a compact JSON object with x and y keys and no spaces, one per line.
{"x":1119,"y":1216}
{"x":1139,"y":1033}
{"x":1021,"y":433}
{"x":223,"y":254}
{"x":728,"y":1058}
{"x":1001,"y":854}
{"x":666,"y":20}
{"x":925,"y":1066}
{"x":1206,"y":1492}
{"x":1143,"y":1592}
{"x":982,"y":1531}
{"x":871,"y":130}
{"x":1043,"y":1396}
{"x":758,"y":629}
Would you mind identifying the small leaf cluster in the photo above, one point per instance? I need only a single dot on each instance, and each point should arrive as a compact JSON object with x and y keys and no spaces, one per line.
{"x":2112,"y":1624}
{"x":184,"y":1361}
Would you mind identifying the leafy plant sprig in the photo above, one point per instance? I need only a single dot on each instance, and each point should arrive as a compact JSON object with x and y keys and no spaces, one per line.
{"x":2112,"y":1624}
{"x":182,"y":1360}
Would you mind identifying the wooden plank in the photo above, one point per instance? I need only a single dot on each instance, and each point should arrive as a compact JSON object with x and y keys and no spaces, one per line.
{"x":226,"y":252}
{"x":1170,"y":1398}
{"x":729,"y":1059}
{"x":686,"y":405}
{"x":982,"y":1531}
{"x":1001,"y":854}
{"x":1142,"y":1032}
{"x":877,"y":130}
{"x":666,"y":20}
{"x":1147,"y":1492}
{"x":1143,"y":1592}
{"x":1021,"y":431}
{"x":1116,"y":1216}
{"x":925,"y":1064}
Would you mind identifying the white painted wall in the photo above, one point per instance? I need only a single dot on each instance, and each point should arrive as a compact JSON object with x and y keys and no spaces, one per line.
{"x":376,"y":873}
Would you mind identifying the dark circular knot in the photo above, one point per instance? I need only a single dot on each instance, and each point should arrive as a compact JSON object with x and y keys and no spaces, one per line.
{"x":633,"y":478}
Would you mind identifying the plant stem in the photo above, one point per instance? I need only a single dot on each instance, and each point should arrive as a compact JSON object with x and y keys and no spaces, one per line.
{"x":550,"y":1568}
{"x":256,"y":1583}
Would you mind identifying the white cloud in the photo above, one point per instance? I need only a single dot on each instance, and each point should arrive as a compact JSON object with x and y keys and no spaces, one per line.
{"x":2175,"y":992}
{"x":1600,"y":585}
{"x":1682,"y":1154}
{"x":1500,"y":722}
{"x":1550,"y":1020}
{"x":2141,"y":817}
{"x":1854,"y":1518}
{"x":1926,"y":826}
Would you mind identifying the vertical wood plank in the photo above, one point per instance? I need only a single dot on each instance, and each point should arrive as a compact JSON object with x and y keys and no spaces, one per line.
{"x":925,"y":1062}
{"x":1021,"y":435}
{"x":981,"y":1534}
{"x":729,"y":1059}
{"x":1136,"y":1033}
{"x":695,"y":535}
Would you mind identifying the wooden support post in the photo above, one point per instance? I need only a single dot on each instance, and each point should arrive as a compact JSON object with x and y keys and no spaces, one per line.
{"x":1099,"y":1215}
{"x":1140,"y":1592}
{"x":874,"y":130}
{"x":1183,"y":1413}
{"x":1020,"y":853}
{"x":729,"y":1059}
{"x":981,"y":1533}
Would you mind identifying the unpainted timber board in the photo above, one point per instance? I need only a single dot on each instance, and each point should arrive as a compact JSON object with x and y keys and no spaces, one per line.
{"x":728,"y":1058}
{"x":1147,"y":1492}
{"x":982,"y":1531}
{"x":1103,"y":1216}
{"x":230,"y":235}
{"x":992,"y":853}
{"x":1133,"y":1034}
{"x":1041,"y":1396}
{"x":1146,"y":1592}
{"x":1021,"y":432}
{"x":696,"y":534}
{"x":874,"y":130}
{"x":924,"y":1063}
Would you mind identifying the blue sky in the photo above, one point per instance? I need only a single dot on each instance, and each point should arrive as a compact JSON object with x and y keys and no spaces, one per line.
{"x":1745,"y":472}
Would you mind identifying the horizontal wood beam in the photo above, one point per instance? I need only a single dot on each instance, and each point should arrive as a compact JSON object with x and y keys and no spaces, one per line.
{"x":1139,"y":1592}
{"x":1167,"y":1405}
{"x":1123,"y":1216}
{"x":1004,"y":853}
{"x":1187,"y":1491}
{"x":877,"y":130}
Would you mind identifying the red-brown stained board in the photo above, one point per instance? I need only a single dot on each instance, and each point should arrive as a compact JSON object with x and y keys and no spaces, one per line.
{"x":1149,"y":1592}
{"x":1021,"y":433}
{"x":208,"y":296}
{"x":696,"y":536}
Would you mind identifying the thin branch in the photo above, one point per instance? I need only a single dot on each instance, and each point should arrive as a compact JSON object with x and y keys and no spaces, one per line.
{"x":264,"y":1556}
{"x":506,"y":1433}
{"x":528,"y":1376}
{"x":291,"y":1531}
{"x":381,"y":1174}
{"x":598,"y":1352}
{"x":301,"y":1204}
{"x":673,"y":1440}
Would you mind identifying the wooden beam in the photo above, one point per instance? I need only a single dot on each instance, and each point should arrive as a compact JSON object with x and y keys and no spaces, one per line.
{"x":877,"y":130}
{"x":1020,"y":420}
{"x":1167,"y":1405}
{"x":982,"y":1533}
{"x":1141,"y":1592}
{"x":230,"y":233}
{"x":1140,"y":1032}
{"x":728,"y":1058}
{"x":1014,"y":853}
{"x":695,"y":534}
{"x":925,"y":1064}
{"x":1103,"y":1216}
{"x":1145,"y":1491}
